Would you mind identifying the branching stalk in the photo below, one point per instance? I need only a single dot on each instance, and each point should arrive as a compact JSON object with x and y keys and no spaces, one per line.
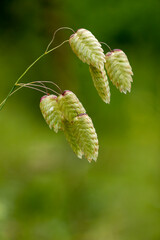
{"x":12,"y":89}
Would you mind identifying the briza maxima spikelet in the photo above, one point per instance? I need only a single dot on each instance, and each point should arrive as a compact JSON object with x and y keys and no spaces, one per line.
{"x":86,"y":137}
{"x":65,"y":112}
{"x":69,"y":105}
{"x":69,"y":132}
{"x":101,"y":83}
{"x":87,"y":48}
{"x":50,"y":112}
{"x":119,"y":70}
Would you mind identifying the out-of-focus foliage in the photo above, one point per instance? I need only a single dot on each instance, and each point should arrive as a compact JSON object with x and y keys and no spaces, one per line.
{"x":46,"y":192}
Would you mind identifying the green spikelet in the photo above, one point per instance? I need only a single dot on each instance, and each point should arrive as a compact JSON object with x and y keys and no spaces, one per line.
{"x":87,"y":48}
{"x":69,"y":132}
{"x":119,"y":70}
{"x":65,"y":112}
{"x":70,"y":105}
{"x":50,"y":112}
{"x":86,"y":137}
{"x":101,"y":83}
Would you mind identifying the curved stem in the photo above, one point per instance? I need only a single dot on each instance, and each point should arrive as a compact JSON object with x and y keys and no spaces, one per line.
{"x":53,"y":84}
{"x":30,"y":86}
{"x":36,"y":85}
{"x":54,"y":34}
{"x":21,"y":85}
{"x":12,"y":89}
{"x":107,"y":46}
{"x":42,"y":84}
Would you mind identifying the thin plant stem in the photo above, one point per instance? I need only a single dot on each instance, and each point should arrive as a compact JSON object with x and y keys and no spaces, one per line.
{"x":51,"y":83}
{"x":36,"y":85}
{"x":106,"y":45}
{"x":28,"y":86}
{"x":21,"y":86}
{"x":12,"y":89}
{"x":54,"y":34}
{"x":44,"y":87}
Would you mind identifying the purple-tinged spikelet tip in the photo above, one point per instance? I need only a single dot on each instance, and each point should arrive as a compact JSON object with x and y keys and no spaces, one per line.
{"x":72,"y":36}
{"x":109,"y":54}
{"x":43,"y":97}
{"x":117,"y":50}
{"x":65,"y":92}
{"x":53,"y":96}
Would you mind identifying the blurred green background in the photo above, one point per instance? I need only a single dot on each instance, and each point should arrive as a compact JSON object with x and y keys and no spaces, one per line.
{"x":46,"y":192}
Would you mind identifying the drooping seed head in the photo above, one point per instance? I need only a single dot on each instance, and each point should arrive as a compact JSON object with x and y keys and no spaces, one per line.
{"x":119,"y":70}
{"x":51,"y":112}
{"x":69,"y":105}
{"x":101,"y":83}
{"x":65,"y":112}
{"x":87,"y":48}
{"x":86,"y":136}
{"x":69,"y":132}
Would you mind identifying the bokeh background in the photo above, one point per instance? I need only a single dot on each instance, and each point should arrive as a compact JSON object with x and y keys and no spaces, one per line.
{"x":46,"y":192}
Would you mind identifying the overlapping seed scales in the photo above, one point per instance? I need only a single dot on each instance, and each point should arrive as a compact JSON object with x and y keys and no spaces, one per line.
{"x":50,"y":112}
{"x":70,"y":105}
{"x":65,"y":112}
{"x":87,"y":48}
{"x":101,"y":83}
{"x":86,"y":137}
{"x":69,"y":132}
{"x":119,"y":70}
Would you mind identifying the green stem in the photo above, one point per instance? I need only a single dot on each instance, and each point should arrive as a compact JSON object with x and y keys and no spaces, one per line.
{"x":12,"y":89}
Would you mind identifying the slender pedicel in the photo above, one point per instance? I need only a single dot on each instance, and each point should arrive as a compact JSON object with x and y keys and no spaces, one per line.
{"x":12,"y":89}
{"x":28,"y":86}
{"x":106,"y":45}
{"x":53,"y":84}
{"x":54,"y":34}
{"x":36,"y":85}
{"x":44,"y":87}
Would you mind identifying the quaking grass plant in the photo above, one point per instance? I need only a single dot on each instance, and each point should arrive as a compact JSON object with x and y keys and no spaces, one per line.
{"x":62,"y":110}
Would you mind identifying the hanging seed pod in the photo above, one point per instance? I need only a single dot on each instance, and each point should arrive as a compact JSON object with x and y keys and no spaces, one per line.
{"x":69,"y":132}
{"x":70,"y":105}
{"x":119,"y":70}
{"x":87,"y":48}
{"x":101,"y":83}
{"x":50,"y":112}
{"x":86,"y":136}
